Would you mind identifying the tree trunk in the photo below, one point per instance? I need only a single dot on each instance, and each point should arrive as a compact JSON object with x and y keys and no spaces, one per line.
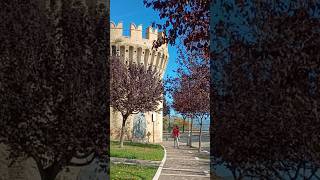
{"x":169,"y":128}
{"x":50,"y":173}
{"x":184,"y":121}
{"x":46,"y":175}
{"x":200,"y":135}
{"x":124,"y":119}
{"x":190,"y":138}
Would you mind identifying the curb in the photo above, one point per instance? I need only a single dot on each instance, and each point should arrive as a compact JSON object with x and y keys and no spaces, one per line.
{"x":117,"y":160}
{"x":157,"y":175}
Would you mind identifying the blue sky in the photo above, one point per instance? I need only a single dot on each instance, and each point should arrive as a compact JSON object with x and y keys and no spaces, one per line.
{"x":134,"y":11}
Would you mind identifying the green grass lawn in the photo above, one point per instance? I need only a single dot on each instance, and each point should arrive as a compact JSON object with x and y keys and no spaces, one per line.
{"x":122,"y":171}
{"x":133,"y":150}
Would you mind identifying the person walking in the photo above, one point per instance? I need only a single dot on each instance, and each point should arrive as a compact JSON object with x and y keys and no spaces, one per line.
{"x":176,"y":135}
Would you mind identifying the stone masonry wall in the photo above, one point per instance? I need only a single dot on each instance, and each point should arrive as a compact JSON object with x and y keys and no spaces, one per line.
{"x":136,"y":49}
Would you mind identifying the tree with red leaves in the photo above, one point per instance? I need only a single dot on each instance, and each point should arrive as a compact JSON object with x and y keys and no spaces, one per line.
{"x":187,"y":21}
{"x":181,"y":95}
{"x":184,"y":19}
{"x":201,"y":92}
{"x":166,"y":106}
{"x":134,"y":89}
{"x":53,"y":85}
{"x":190,"y":90}
{"x":191,"y":99}
{"x":268,"y":124}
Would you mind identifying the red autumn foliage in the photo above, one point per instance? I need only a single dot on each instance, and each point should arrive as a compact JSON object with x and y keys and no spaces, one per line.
{"x":133,"y":89}
{"x":184,"y":19}
{"x":190,"y":90}
{"x":53,"y":85}
{"x":268,"y":124}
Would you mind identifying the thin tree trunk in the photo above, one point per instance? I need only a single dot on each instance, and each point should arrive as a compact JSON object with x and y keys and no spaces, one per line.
{"x":190,"y":138}
{"x":234,"y":174}
{"x":184,"y":121}
{"x":122,"y":130}
{"x":169,"y":127}
{"x":200,"y":135}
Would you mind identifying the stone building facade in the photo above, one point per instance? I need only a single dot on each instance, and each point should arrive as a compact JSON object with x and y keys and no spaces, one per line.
{"x":136,"y":48}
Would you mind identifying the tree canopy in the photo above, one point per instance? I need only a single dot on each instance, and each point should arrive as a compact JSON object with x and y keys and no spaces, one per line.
{"x":185,"y":20}
{"x":53,"y":84}
{"x":134,"y":89}
{"x":265,"y":123}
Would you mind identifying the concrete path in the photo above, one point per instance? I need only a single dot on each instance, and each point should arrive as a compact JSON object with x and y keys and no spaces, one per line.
{"x":185,"y":163}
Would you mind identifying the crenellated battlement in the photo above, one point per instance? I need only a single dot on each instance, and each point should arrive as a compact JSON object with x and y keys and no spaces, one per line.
{"x":136,"y":49}
{"x":118,"y":26}
{"x":135,"y":33}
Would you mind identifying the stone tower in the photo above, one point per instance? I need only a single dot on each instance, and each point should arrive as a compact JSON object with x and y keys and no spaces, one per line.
{"x":136,"y":48}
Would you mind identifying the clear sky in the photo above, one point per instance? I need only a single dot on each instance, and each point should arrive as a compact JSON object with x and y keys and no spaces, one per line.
{"x":134,"y":11}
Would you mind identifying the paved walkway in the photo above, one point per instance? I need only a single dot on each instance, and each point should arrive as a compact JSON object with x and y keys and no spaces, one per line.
{"x":185,"y":163}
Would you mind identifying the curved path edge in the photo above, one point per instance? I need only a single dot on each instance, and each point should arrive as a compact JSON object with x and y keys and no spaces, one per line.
{"x":157,"y":175}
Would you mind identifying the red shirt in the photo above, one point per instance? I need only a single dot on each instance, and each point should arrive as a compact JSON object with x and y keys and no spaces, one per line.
{"x":175,"y":132}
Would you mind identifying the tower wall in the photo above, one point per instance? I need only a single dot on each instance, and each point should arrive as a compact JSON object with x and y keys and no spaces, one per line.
{"x":137,"y":49}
